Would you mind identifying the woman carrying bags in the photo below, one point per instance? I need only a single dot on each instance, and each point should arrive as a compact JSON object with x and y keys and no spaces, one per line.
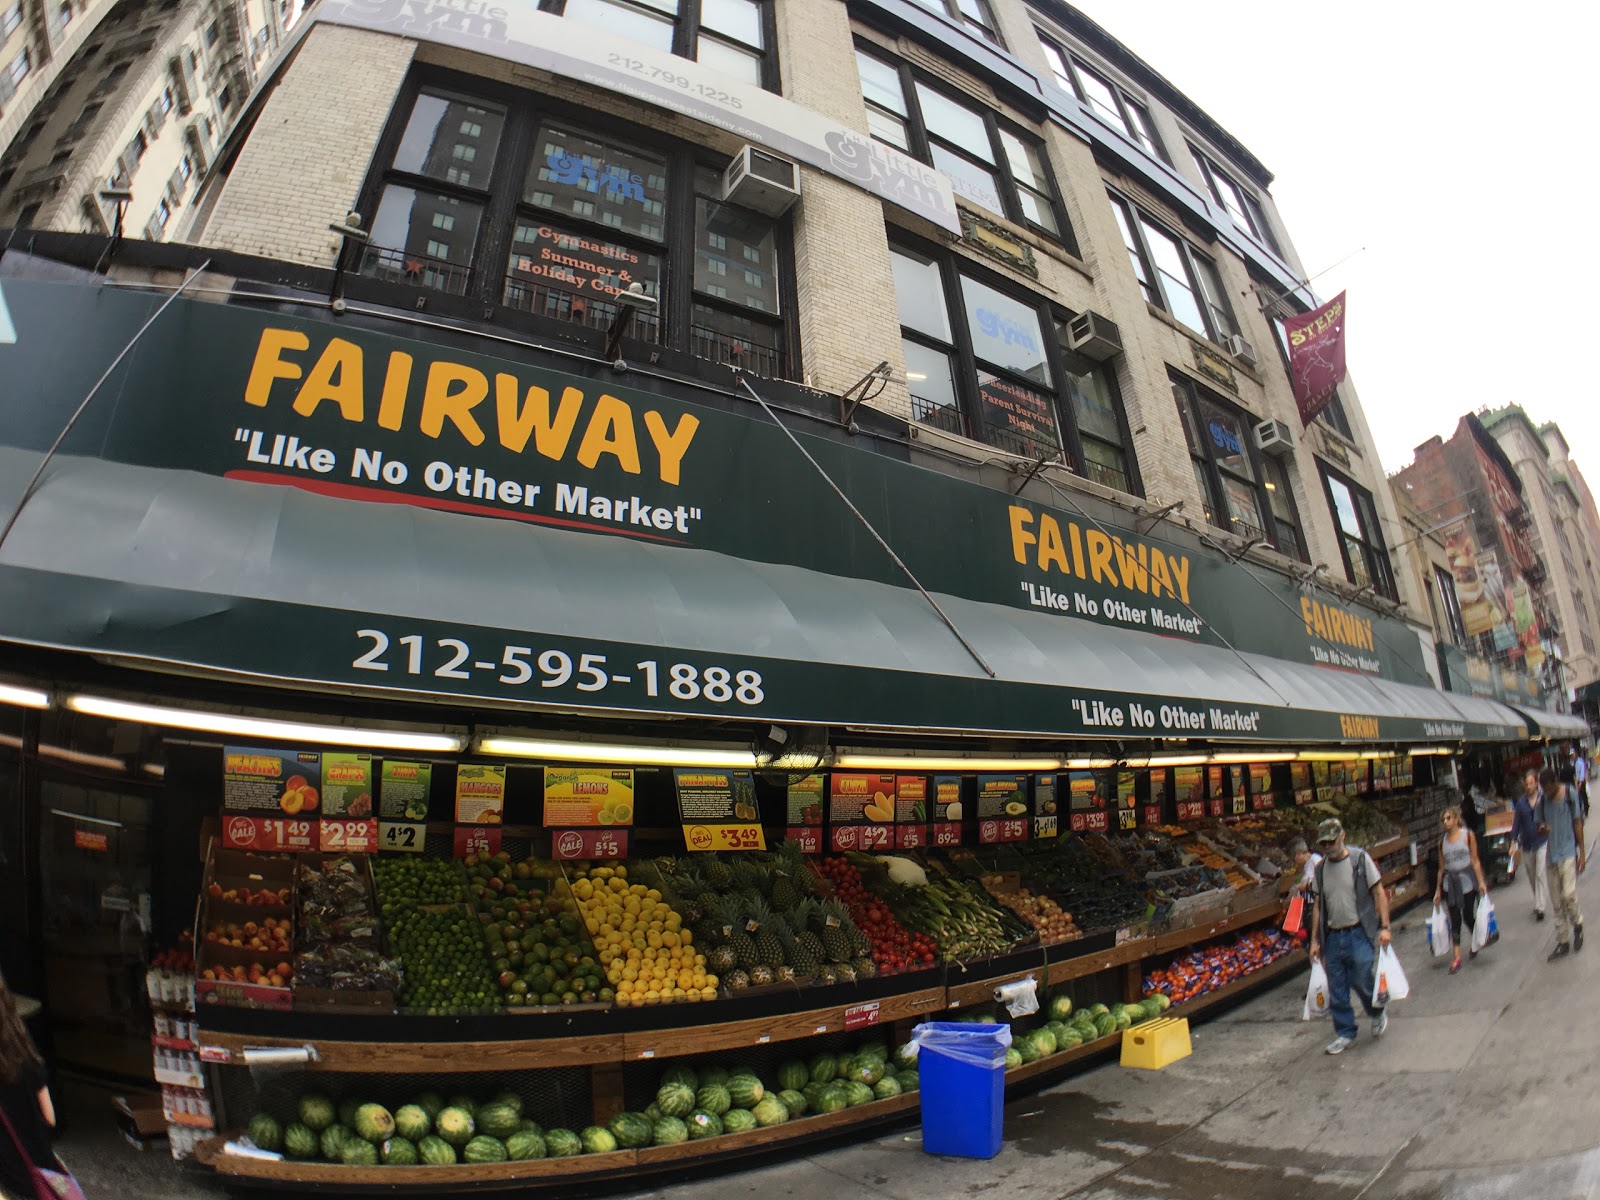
{"x":29,"y":1168}
{"x":1461,"y":881}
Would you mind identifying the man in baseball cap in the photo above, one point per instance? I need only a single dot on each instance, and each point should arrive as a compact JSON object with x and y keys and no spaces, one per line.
{"x":1349,"y":925}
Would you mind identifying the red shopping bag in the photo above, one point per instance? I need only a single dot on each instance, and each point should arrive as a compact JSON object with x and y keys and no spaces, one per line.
{"x":1295,"y":919}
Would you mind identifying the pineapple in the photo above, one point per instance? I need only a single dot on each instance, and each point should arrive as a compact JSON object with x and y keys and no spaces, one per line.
{"x":828,"y":975}
{"x":718,"y":874}
{"x":786,"y":974}
{"x":744,"y":950}
{"x":807,"y":953}
{"x":738,"y":981}
{"x":760,"y":975}
{"x":721,"y":960}
{"x":769,"y":946}
{"x":865,"y":968}
{"x":844,"y":973}
{"x":835,"y":929}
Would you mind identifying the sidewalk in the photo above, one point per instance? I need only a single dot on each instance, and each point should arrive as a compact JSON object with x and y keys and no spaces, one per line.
{"x":1487,"y":1085}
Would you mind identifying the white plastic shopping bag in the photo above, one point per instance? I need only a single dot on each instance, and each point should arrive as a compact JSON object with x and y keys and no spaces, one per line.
{"x":1439,"y":931}
{"x":1389,"y":981}
{"x":1316,"y":993}
{"x":1480,"y":927}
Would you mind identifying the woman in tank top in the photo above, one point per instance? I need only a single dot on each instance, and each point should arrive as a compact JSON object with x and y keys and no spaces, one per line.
{"x":1461,"y":880}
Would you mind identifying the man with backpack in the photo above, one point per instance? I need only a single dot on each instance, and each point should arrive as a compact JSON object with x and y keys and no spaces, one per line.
{"x":1349,"y":925}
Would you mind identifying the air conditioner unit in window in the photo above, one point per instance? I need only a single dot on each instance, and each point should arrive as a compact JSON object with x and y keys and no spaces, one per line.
{"x":761,"y":181}
{"x":1094,"y":336}
{"x":1274,"y":437}
{"x":1242,"y":350}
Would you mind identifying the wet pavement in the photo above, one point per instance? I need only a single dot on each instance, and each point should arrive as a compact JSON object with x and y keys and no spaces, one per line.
{"x":1487,"y":1085}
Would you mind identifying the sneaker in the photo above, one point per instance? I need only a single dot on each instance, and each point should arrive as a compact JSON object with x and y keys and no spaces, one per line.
{"x":1561,"y":951}
{"x":1577,"y":938}
{"x":1380,"y":1022}
{"x":1340,"y":1044}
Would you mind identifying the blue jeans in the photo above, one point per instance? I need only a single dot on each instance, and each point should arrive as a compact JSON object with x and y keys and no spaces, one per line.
{"x":1351,"y":962}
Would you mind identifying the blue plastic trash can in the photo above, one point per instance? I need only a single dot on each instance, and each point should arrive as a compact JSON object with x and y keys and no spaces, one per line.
{"x":962,"y":1071}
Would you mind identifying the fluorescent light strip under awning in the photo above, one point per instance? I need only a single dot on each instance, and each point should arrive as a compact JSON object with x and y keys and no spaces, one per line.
{"x":601,"y":752}
{"x":265,"y":728}
{"x":23,"y":697}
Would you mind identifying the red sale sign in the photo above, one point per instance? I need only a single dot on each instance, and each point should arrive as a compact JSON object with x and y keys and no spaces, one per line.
{"x":859,"y":1016}
{"x":588,"y":843}
{"x":269,"y":834}
{"x":349,"y":836}
{"x":863,"y":837}
{"x":1009,"y":830}
{"x":477,"y":839}
{"x":947,"y":833}
{"x":807,"y":837}
{"x":1191,"y":810}
{"x":910,"y":837}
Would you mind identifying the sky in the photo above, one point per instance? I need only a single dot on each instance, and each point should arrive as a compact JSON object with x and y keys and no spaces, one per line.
{"x":1450,"y":150}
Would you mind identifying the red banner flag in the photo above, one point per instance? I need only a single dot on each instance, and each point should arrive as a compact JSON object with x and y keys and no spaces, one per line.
{"x":1316,"y":356}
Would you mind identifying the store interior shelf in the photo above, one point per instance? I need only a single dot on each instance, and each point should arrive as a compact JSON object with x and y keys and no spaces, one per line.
{"x":423,"y":1056}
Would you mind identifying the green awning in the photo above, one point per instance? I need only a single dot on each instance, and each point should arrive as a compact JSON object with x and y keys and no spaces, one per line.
{"x":175,"y":567}
{"x":1545,"y":723}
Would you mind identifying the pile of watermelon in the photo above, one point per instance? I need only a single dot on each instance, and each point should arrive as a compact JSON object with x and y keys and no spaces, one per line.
{"x":1065,"y":1028}
{"x":1206,"y":970}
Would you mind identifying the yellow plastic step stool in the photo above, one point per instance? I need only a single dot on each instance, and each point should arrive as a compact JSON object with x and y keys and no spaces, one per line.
{"x":1151,"y":1045}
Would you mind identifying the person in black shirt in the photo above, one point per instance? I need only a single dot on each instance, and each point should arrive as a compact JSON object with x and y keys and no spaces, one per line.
{"x":25,"y":1100}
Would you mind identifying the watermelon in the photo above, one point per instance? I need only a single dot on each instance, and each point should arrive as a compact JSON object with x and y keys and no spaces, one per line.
{"x":905,"y":1058}
{"x":1151,"y":1011}
{"x":745,"y":1091}
{"x":793,"y":1076}
{"x":987,"y":1018}
{"x":358,"y":1152}
{"x":886,"y":1088}
{"x":1122,"y":1018}
{"x":1070,"y":1039}
{"x":527,"y":1126}
{"x":431,"y":1103}
{"x":769,"y":1110}
{"x":497,"y":1120}
{"x":877,"y":1050}
{"x":795,"y":1102}
{"x":832,"y":1098}
{"x":456,"y":1126}
{"x":1028,"y":1049}
{"x":714,"y":1077}
{"x":510,"y":1100}
{"x":484,"y":1149}
{"x":411,"y":1121}
{"x":562,"y":1143}
{"x":317,"y":1112}
{"x":713,"y":1098}
{"x":824,"y":1068}
{"x":738,"y":1120}
{"x":909,"y":1081}
{"x":374,"y":1123}
{"x":523,"y":1145}
{"x":632,"y":1130}
{"x":333,"y":1140}
{"x":1162,"y":1001}
{"x":300,"y":1143}
{"x":597,"y":1140}
{"x":857,"y":1092}
{"x":1058,"y":1028}
{"x":463,"y":1102}
{"x":675,"y":1099}
{"x":1060,"y":1006}
{"x":398,"y":1152}
{"x":682,"y":1076}
{"x":265,"y":1132}
{"x":669,"y":1131}
{"x":1105,"y":1025}
{"x":863,"y":1070}
{"x":436,"y":1152}
{"x":1098,"y":1010}
{"x":652,"y":1112}
{"x":703,"y":1124}
{"x":347,"y":1112}
{"x":1044,"y":1042}
{"x":1013,"y":1058}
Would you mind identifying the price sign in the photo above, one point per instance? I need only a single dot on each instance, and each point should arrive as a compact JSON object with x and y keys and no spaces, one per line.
{"x":88,"y":839}
{"x":402,"y":837}
{"x":910,"y":811}
{"x":1098,"y":821}
{"x":807,"y":837}
{"x":1046,"y":827}
{"x":349,"y":836}
{"x":1152,"y":814}
{"x":947,"y":833}
{"x":859,"y":1016}
{"x":477,"y":839}
{"x":1010,"y":829}
{"x":1191,"y":810}
{"x":724,"y":837}
{"x":1046,"y":821}
{"x":863,"y":837}
{"x":1126,"y":818}
{"x":910,"y":837}
{"x":571,"y":844}
{"x":1262,"y":803}
{"x":1240,"y":804}
{"x":269,"y":834}
{"x":1215,"y":806}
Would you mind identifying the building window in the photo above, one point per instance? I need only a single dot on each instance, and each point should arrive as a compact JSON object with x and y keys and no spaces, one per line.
{"x":1241,"y":204}
{"x":16,"y":71}
{"x":212,"y":34}
{"x":1226,"y":470}
{"x":1361,"y":545}
{"x":10,"y":19}
{"x":1454,"y":627}
{"x":1111,"y":104}
{"x":166,"y":102}
{"x":988,"y":364}
{"x":1285,"y":531}
{"x":989,"y":163}
{"x":972,"y":15}
{"x":589,"y":214}
{"x":734,"y":37}
{"x":185,"y":168}
{"x":163,"y":215}
{"x":1173,"y":275}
